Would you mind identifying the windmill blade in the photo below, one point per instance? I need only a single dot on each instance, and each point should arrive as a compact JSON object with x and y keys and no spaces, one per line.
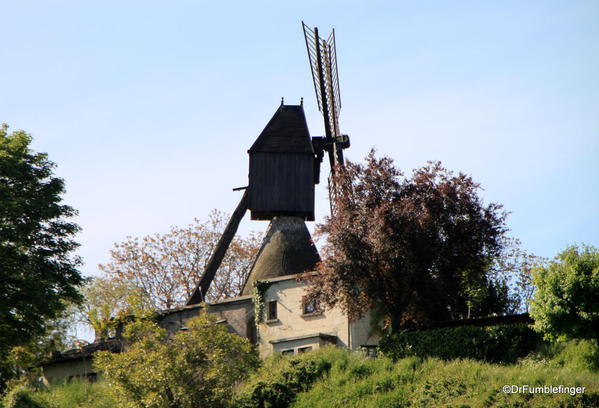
{"x":312,"y":43}
{"x":199,"y":294}
{"x":323,"y":66}
{"x":335,"y":74}
{"x":322,"y":55}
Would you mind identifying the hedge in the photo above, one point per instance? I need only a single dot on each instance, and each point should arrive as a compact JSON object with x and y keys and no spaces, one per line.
{"x":495,"y":344}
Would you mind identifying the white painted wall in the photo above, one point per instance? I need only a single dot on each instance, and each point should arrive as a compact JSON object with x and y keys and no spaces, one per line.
{"x":290,"y":322}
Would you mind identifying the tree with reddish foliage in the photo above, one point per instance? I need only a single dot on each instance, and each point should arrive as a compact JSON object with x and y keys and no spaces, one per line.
{"x":415,"y":249}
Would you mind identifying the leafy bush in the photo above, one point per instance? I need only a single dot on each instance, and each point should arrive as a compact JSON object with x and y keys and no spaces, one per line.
{"x":565,"y":302}
{"x":279,"y":390}
{"x":19,"y":397}
{"x":581,"y":355}
{"x":195,"y":367}
{"x":503,"y":344}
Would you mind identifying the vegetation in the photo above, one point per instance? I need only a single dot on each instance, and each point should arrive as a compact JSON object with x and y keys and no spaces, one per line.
{"x":334,"y":377}
{"x":496,"y":344}
{"x":280,"y":381}
{"x":565,"y":303}
{"x":513,"y":268}
{"x":109,"y":303}
{"x":38,"y":271}
{"x":417,"y":248}
{"x":193,"y":367}
{"x":337,"y":378}
{"x":379,"y":383}
{"x":21,"y":362}
{"x":75,"y":394}
{"x":167,"y":267}
{"x":259,"y":292}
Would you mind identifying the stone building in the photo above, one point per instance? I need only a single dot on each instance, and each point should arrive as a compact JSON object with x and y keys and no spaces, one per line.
{"x":288,"y":324}
{"x":77,"y":363}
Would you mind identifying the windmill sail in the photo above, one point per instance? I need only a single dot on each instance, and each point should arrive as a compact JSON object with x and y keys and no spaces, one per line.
{"x":323,"y":64}
{"x":322,"y":55}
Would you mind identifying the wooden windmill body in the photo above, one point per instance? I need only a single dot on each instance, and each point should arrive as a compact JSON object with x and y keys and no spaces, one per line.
{"x":281,"y":176}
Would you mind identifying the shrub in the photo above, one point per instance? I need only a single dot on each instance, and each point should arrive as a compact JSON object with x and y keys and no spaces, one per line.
{"x":195,"y":367}
{"x":565,"y":301}
{"x":504,"y":343}
{"x":19,"y":397}
{"x":279,"y":390}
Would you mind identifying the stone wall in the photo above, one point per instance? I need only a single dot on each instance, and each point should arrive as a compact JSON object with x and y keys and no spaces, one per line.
{"x":237,"y":312}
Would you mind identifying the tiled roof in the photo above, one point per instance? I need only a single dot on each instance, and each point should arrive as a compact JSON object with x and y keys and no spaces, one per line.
{"x":113,"y":345}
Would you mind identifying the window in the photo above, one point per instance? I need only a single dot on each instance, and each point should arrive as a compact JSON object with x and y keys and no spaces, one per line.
{"x":272,"y":310}
{"x":304,"y":349}
{"x":288,"y":352}
{"x":310,"y":306}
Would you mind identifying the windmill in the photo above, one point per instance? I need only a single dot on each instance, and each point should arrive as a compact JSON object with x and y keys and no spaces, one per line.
{"x":284,"y":167}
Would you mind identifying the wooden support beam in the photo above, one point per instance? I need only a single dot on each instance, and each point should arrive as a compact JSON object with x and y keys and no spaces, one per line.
{"x":220,"y":250}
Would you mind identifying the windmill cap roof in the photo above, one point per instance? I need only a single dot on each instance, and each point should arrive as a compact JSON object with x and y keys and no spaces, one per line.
{"x":286,"y":132}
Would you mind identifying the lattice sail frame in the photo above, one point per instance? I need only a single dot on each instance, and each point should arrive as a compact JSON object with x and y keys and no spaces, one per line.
{"x":323,"y":63}
{"x":322,"y":55}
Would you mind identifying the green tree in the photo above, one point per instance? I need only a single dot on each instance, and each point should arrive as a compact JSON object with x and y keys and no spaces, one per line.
{"x":38,"y":271}
{"x":106,"y":301}
{"x":416,"y":249}
{"x":565,"y":303}
{"x":22,"y":362}
{"x":194,"y":367}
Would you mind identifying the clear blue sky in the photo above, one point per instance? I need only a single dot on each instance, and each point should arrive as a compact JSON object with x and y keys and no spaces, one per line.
{"x":148,"y":107}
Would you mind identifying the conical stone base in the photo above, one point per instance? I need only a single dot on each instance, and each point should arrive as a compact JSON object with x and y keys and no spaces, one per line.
{"x":287,"y":249}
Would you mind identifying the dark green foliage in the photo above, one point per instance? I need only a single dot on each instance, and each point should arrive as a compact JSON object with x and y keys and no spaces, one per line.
{"x":281,"y":390}
{"x":582,"y":401}
{"x":38,"y":272}
{"x":498,"y":344}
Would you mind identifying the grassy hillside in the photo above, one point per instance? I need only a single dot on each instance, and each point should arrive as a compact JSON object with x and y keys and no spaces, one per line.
{"x":354,"y":381}
{"x":76,"y":394}
{"x":336,"y":378}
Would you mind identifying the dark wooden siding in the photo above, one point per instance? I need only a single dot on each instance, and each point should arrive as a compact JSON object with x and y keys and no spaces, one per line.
{"x":281,"y":184}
